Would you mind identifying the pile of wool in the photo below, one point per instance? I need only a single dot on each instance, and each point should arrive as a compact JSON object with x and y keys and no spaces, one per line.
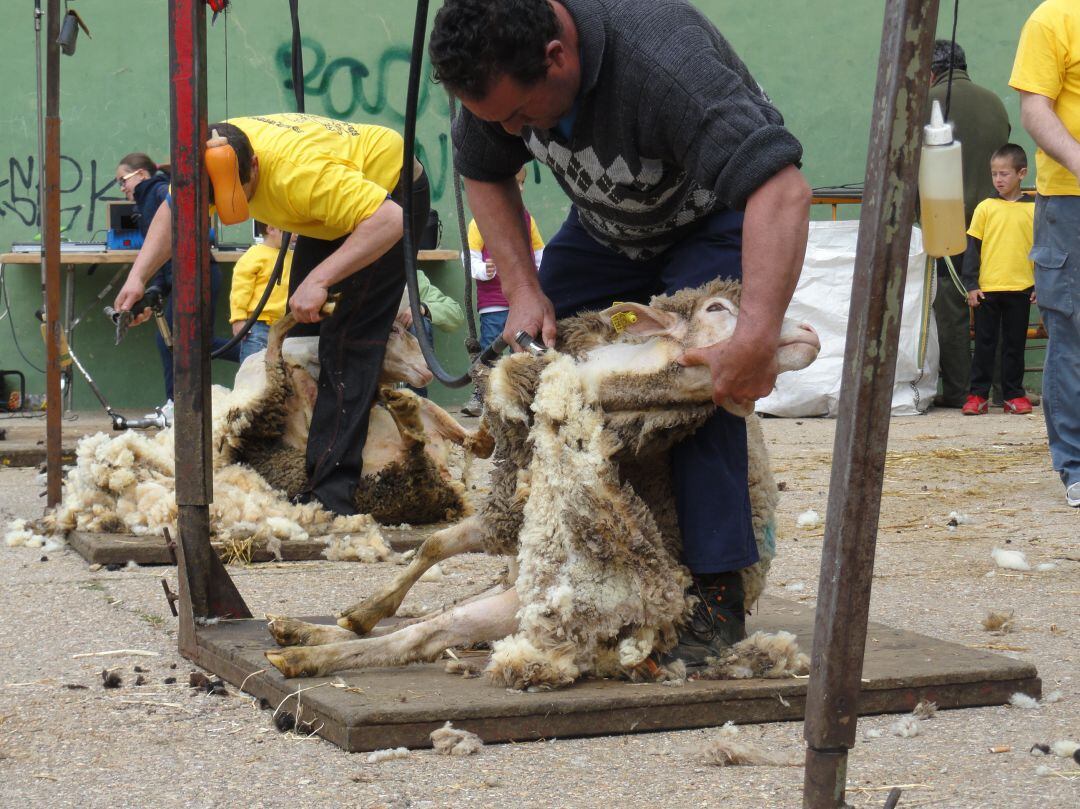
{"x":729,"y":750}
{"x":451,"y":741}
{"x":763,"y":654}
{"x":125,"y":484}
{"x":21,"y":533}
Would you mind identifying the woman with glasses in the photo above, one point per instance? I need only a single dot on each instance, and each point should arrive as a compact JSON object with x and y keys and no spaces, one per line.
{"x":147,"y":185}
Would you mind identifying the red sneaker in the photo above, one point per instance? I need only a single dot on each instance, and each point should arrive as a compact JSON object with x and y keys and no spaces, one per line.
{"x":1019,"y":406}
{"x":975,"y":406}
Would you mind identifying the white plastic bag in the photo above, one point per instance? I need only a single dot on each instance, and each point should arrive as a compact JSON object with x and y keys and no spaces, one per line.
{"x":823,"y":298}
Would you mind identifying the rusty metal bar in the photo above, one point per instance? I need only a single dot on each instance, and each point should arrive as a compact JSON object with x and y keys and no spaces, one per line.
{"x":205,"y":587}
{"x":50,"y":232}
{"x":862,"y":430}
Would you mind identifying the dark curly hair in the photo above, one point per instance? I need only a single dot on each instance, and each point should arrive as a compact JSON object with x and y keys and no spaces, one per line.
{"x":475,"y":41}
{"x":944,"y":53}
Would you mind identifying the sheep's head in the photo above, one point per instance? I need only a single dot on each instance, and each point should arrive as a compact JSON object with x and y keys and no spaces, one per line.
{"x":712,"y":320}
{"x":404,"y":361}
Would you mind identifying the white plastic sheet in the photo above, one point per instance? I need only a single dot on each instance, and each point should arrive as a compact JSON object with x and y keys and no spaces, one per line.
{"x":823,"y":298}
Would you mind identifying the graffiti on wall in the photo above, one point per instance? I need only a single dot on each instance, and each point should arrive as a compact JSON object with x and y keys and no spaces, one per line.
{"x":84,"y":190}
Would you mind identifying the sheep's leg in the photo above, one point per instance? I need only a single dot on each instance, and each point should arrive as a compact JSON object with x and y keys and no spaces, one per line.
{"x":404,"y":408}
{"x":462,"y":537}
{"x":294,"y":632}
{"x":379,"y":631}
{"x":486,"y":620}
{"x":479,"y":442}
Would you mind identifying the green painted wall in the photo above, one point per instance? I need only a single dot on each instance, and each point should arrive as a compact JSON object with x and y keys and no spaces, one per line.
{"x":818,"y":61}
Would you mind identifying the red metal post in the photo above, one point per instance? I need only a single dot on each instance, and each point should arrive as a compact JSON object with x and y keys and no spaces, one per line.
{"x":205,"y":587}
{"x":862,"y":429}
{"x":50,"y":232}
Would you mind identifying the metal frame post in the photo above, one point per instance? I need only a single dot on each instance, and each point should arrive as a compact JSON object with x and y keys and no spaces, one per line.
{"x":206,"y":590}
{"x":50,"y":231}
{"x":900,"y":105}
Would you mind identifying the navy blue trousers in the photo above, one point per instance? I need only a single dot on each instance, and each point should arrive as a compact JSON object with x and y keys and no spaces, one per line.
{"x":709,"y":469}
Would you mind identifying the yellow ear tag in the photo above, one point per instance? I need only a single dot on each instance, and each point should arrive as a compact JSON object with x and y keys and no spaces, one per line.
{"x":620,"y":320}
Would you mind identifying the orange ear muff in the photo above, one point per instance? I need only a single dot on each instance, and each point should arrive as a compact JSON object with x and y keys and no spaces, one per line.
{"x":224,"y":171}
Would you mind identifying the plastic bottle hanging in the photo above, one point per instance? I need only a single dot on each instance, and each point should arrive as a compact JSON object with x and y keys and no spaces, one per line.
{"x":941,"y":189}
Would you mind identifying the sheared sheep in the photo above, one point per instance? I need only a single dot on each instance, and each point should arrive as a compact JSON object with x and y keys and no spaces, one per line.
{"x":125,"y":483}
{"x":580,"y":494}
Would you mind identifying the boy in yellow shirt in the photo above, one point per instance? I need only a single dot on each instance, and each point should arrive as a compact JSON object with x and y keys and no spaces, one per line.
{"x":249,"y":279}
{"x":1000,"y":281}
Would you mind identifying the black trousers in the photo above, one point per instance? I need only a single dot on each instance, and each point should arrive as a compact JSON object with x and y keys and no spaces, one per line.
{"x":352,"y":343}
{"x":1004,"y":316}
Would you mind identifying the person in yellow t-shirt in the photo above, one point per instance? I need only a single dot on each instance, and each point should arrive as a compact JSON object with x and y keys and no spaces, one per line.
{"x":997,"y":274}
{"x":336,"y":186}
{"x":1047,"y":75}
{"x":249,"y":279}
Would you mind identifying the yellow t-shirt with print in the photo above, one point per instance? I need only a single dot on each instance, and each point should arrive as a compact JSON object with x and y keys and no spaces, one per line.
{"x":1006,"y":230}
{"x":249,"y":279}
{"x":1048,"y":64}
{"x":476,"y":241}
{"x":319,"y":177}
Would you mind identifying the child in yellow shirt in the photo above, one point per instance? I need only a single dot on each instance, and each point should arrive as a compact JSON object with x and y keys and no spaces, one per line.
{"x":1000,"y":280}
{"x":249,"y":279}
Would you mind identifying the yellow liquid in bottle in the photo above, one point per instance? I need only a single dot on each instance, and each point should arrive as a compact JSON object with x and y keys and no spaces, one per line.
{"x":943,"y":227}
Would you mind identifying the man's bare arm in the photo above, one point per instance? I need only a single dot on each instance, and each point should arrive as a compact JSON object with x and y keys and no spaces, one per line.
{"x":498,"y":209}
{"x":365,"y":245}
{"x":156,"y":250}
{"x":775,"y":229}
{"x":1046,"y":129}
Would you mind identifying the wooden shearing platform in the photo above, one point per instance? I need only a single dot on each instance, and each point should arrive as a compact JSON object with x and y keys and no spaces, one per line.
{"x":381,"y":708}
{"x":150,"y":549}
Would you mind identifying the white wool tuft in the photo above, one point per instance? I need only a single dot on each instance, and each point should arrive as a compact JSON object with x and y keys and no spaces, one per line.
{"x":1064,"y":748}
{"x":1052,"y":697}
{"x":433,"y":573}
{"x":795,"y":587}
{"x":20,"y":534}
{"x":906,"y":727}
{"x":728,"y":750}
{"x":1042,"y":771}
{"x":924,"y":710}
{"x":1046,"y":566}
{"x":451,"y":741}
{"x":808,"y":519}
{"x":1019,"y":700}
{"x":387,"y":754}
{"x":365,"y":544}
{"x":1010,"y":560}
{"x":873,"y":733}
{"x":959,"y":518}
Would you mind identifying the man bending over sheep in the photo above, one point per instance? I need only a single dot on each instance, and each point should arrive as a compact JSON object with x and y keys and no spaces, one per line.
{"x":674,"y":159}
{"x":337,"y":186}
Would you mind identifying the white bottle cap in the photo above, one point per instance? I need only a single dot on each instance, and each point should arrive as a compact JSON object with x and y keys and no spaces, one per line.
{"x":937,"y":132}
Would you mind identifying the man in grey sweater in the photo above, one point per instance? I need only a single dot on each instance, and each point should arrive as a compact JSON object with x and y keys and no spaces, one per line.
{"x":680,"y":170}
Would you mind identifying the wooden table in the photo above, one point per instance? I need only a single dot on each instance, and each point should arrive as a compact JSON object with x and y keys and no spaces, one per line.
{"x":123,"y":258}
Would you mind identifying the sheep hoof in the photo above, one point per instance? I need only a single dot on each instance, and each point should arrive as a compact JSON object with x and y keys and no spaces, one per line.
{"x":293,"y":662}
{"x":359,"y":620}
{"x":292,"y":632}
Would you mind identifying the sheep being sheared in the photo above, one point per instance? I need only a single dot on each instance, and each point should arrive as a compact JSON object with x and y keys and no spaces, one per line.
{"x":125,"y":484}
{"x":406,"y":475}
{"x":580,"y":493}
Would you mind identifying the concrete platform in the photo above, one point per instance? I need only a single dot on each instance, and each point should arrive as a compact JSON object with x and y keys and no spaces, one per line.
{"x":24,"y":444}
{"x":119,"y":549}
{"x":382,"y":708}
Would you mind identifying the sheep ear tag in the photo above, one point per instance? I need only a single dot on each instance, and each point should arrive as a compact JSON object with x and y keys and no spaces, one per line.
{"x":645,"y":321}
{"x":224,"y":171}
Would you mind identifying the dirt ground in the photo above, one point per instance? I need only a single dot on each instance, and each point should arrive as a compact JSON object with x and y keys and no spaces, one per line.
{"x":159,"y":744}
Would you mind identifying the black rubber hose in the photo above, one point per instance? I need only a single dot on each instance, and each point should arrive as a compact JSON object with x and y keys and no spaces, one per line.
{"x":297,"y":59}
{"x":472,"y":344}
{"x":408,"y":240}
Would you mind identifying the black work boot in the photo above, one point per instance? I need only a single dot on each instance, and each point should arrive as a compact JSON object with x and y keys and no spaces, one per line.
{"x":717,"y":622}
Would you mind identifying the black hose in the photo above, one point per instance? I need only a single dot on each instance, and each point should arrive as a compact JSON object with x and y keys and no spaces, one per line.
{"x":472,"y":344}
{"x":297,"y":59}
{"x":408,"y":241}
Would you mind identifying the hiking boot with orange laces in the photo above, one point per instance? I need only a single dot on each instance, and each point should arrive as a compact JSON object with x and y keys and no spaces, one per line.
{"x":716,"y":624}
{"x":975,"y":406}
{"x":1019,"y":406}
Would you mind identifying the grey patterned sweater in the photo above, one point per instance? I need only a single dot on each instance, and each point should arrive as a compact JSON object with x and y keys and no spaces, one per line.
{"x":670,"y":127}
